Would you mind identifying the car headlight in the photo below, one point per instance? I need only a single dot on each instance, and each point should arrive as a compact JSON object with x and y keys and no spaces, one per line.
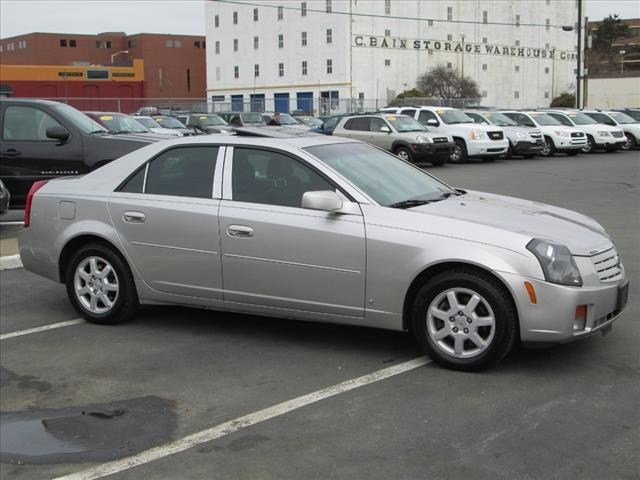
{"x":556,"y":261}
{"x":562,"y":133}
{"x":603,"y":134}
{"x":478,"y":135}
{"x":521,"y":135}
{"x":423,"y":139}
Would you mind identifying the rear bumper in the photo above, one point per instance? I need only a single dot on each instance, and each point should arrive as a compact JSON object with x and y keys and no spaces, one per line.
{"x":38,"y":264}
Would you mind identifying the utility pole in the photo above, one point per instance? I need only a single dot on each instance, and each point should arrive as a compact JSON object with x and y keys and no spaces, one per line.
{"x":579,"y":54}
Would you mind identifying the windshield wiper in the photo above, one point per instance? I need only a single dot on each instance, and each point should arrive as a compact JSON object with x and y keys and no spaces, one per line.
{"x":415,"y":202}
{"x":95,"y":132}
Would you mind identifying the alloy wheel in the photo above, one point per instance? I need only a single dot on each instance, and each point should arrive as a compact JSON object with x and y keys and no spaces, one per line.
{"x":96,"y":285}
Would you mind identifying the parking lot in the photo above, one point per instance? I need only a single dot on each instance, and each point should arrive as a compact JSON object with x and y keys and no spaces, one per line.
{"x":241,"y":397}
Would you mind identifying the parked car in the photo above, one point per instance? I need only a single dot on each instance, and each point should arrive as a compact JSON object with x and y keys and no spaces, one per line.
{"x":154,"y":127}
{"x":43,"y":139}
{"x":472,"y":140}
{"x":632,"y":112}
{"x":205,"y":122}
{"x":243,"y":119}
{"x":5,"y":198}
{"x":285,"y":120}
{"x":309,"y":121}
{"x":329,"y":123}
{"x":323,"y":229}
{"x":557,"y":137}
{"x":119,"y":123}
{"x":399,"y":134}
{"x":166,"y":121}
{"x":525,"y":141}
{"x":618,"y":119}
{"x":599,"y":137}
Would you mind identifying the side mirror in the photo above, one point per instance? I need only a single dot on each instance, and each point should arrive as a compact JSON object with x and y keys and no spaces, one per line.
{"x":58,"y":133}
{"x":325,"y":200}
{"x":385,"y":129}
{"x":432,"y":123}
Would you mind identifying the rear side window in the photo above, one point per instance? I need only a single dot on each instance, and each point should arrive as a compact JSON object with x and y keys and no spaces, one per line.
{"x":361,"y":124}
{"x":180,"y":172}
{"x":27,"y":123}
{"x":409,"y":111}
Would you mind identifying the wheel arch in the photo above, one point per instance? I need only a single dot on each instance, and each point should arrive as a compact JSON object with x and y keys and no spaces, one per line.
{"x":400,"y":143}
{"x":438,"y":268}
{"x":78,"y":241}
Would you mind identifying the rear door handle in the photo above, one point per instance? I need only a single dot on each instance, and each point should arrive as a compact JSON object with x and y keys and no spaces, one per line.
{"x":134,"y":217}
{"x":240,"y":231}
{"x":12,"y":152}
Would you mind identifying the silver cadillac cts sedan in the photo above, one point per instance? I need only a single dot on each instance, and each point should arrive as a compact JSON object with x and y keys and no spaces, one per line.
{"x":323,"y":229}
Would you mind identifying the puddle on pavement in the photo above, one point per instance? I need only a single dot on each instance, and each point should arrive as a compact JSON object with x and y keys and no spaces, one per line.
{"x":97,"y":432}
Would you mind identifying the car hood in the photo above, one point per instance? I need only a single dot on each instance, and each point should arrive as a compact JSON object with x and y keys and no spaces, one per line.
{"x":581,"y":234}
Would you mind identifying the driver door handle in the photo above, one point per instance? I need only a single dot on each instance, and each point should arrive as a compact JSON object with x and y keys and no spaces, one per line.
{"x":242,"y":231}
{"x":12,"y":152}
{"x":134,"y":217}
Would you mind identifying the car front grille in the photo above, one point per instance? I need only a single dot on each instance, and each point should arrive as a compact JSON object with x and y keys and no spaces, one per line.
{"x":577,"y":134}
{"x":617,"y":134}
{"x":496,"y":135}
{"x":440,"y":140}
{"x":607,"y":265}
{"x":535,"y":135}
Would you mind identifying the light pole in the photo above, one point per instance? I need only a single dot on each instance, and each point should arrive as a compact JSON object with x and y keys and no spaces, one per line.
{"x":117,"y":53}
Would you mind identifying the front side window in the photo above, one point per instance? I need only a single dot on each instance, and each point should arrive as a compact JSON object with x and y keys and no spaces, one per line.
{"x":272,"y":178}
{"x":377,"y":124}
{"x":180,"y":172}
{"x":27,"y":123}
{"x":425,"y":116}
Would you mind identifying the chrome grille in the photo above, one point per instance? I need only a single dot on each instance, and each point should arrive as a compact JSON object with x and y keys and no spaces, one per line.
{"x":577,"y":134}
{"x":496,"y":135}
{"x":535,"y":135}
{"x":607,"y":265}
{"x":440,"y":140}
{"x":617,"y":134}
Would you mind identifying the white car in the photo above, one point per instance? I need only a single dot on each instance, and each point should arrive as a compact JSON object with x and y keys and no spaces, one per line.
{"x":599,"y":136}
{"x":557,"y":137}
{"x":155,"y":127}
{"x":630,"y":127}
{"x":472,"y":139}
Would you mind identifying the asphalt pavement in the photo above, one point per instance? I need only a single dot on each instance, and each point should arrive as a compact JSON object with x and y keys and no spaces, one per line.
{"x":243,"y":382}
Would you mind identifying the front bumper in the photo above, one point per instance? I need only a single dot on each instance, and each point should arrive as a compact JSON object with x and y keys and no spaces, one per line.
{"x":487,"y":148}
{"x":553,"y":318}
{"x":526,"y":147}
{"x":427,"y":152}
{"x":564,"y":144}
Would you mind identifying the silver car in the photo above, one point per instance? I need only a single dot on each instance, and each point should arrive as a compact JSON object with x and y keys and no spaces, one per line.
{"x":323,"y":229}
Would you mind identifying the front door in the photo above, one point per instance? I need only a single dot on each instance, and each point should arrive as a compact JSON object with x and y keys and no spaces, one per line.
{"x":280,"y":256}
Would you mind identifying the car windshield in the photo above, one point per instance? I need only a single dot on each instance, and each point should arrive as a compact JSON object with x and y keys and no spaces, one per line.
{"x":452,"y":117}
{"x":580,"y":118}
{"x":211,"y":120}
{"x":405,"y":124}
{"x":83,"y":122}
{"x":256,"y":118}
{"x":621,"y":118}
{"x":169,"y":122}
{"x":148,"y":122}
{"x":286,"y":119}
{"x":544,"y":119}
{"x":118,"y":123}
{"x":500,"y":120}
{"x":381,"y":175}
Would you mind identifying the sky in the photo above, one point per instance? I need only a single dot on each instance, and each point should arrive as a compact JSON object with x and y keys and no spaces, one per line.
{"x":169,"y":16}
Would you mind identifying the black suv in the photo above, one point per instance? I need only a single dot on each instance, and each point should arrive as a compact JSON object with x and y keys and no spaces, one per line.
{"x":42,"y":139}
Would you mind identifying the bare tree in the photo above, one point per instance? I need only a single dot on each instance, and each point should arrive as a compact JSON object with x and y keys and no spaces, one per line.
{"x":443,"y":82}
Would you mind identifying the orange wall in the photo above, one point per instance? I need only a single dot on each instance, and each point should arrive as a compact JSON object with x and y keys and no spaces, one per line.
{"x":51,"y":73}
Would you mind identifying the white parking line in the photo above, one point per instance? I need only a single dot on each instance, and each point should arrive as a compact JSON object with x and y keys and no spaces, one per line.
{"x":44,"y":328}
{"x":232,"y":426}
{"x":9,"y":262}
{"x":16,"y":223}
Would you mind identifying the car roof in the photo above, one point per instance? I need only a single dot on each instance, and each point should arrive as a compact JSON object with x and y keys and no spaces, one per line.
{"x":30,"y":101}
{"x":301,"y":141}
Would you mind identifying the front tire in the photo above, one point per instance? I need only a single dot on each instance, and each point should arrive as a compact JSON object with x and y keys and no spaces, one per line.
{"x":549,"y":149}
{"x":100,"y":285}
{"x":459,"y":152}
{"x":631,"y":142}
{"x":590,"y":146}
{"x":405,"y":154}
{"x":464,"y":320}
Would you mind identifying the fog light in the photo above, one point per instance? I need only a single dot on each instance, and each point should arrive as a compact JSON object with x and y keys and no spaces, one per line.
{"x":532,"y":293}
{"x":580,"y":321}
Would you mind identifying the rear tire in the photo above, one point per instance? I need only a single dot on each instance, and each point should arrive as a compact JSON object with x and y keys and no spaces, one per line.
{"x":464,"y":320}
{"x":100,"y":285}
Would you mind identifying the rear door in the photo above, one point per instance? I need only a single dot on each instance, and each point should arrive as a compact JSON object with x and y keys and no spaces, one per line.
{"x":167,"y":218}
{"x":357,"y":128}
{"x":378,"y":137}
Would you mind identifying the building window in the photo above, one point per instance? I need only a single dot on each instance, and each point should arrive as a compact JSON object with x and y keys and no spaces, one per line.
{"x":430,"y":23}
{"x":485,"y":17}
{"x":280,"y":12}
{"x":72,"y":44}
{"x":546,"y":94}
{"x":255,"y":14}
{"x":548,"y":2}
{"x":328,"y":7}
{"x":304,"y":39}
{"x":63,"y":43}
{"x":449,"y":65}
{"x":216,"y":21}
{"x":217,"y":47}
{"x":387,"y":33}
{"x":235,"y":44}
{"x":188,"y":79}
{"x":176,"y":44}
{"x":484,"y":93}
{"x":303,"y":9}
{"x":304,"y":67}
{"x":256,"y":70}
{"x":517,"y":20}
{"x":547,"y":24}
{"x":546,"y":46}
{"x":256,"y":43}
{"x":387,"y":62}
{"x":449,"y":13}
{"x":387,"y":7}
{"x":516,"y":94}
{"x":517,"y":43}
{"x":280,"y":40}
{"x":236,"y":71}
{"x":1,"y":48}
{"x":218,"y":74}
{"x":167,"y":43}
{"x":235,"y":18}
{"x":22,"y":44}
{"x":329,"y":65}
{"x":485,"y":40}
{"x":329,"y":35}
{"x":517,"y":68}
{"x":281,"y":69}
{"x":195,"y":44}
{"x":546,"y":69}
{"x":484,"y":67}
{"x":449,"y":37}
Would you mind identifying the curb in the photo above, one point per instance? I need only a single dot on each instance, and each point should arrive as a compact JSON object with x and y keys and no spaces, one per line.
{"x":10,"y":262}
